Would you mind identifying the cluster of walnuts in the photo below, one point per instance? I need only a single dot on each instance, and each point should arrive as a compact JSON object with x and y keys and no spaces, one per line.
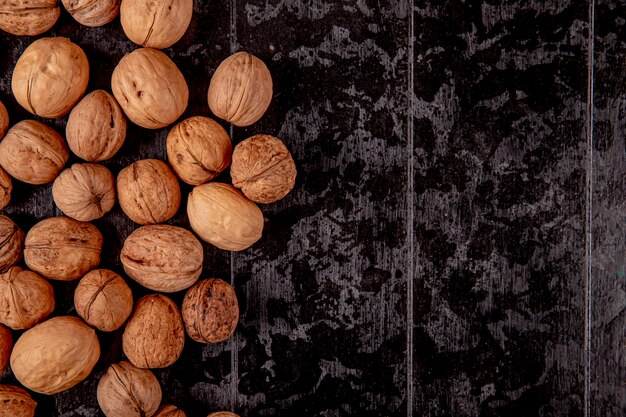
{"x":50,"y":80}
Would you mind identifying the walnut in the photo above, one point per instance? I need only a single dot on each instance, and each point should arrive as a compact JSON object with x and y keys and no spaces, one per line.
{"x":50,"y":77}
{"x":198,"y":149}
{"x":103,"y":299}
{"x":223,"y":414}
{"x":16,"y":402}
{"x":163,"y":258}
{"x":210,"y":311}
{"x":33,"y":152}
{"x":96,"y":129}
{"x":84,"y":192}
{"x":156,"y":24}
{"x":6,"y":344}
{"x":224,"y":217}
{"x":25,"y":298}
{"x":11,"y":243}
{"x":127,"y":391}
{"x":28,"y":17}
{"x":169,"y":411}
{"x":6,"y":188}
{"x":148,"y":191}
{"x":93,"y":13}
{"x":62,"y":248}
{"x":4,"y":120}
{"x":263,"y":169}
{"x":55,"y":355}
{"x":241,"y":89}
{"x":154,"y":336}
{"x":150,"y":88}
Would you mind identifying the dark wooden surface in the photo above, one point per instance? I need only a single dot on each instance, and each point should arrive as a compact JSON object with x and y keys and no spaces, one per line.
{"x":455,"y":243}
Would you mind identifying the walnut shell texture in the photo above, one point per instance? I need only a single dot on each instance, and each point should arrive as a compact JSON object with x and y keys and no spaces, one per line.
{"x":84,"y":192}
{"x":6,"y":188}
{"x":62,"y":248}
{"x":28,"y":17}
{"x":103,"y":299}
{"x":11,"y":243}
{"x":25,"y":298}
{"x":33,"y":152}
{"x":222,"y":216}
{"x":241,"y":89}
{"x":156,"y":23}
{"x":96,"y":128}
{"x":55,"y":355}
{"x":127,"y":391}
{"x":263,"y":169}
{"x":50,"y":77}
{"x":148,"y":191}
{"x":210,"y":311}
{"x":16,"y":402}
{"x":163,"y":258}
{"x":223,"y":414}
{"x":93,"y":13}
{"x":170,"y":411}
{"x":150,"y":88}
{"x":4,"y":120}
{"x":6,"y":344}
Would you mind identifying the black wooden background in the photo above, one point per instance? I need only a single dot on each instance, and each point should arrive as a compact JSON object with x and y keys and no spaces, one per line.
{"x":455,"y":242}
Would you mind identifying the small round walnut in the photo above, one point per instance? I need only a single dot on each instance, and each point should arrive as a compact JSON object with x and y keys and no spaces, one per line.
{"x":4,"y":120}
{"x":33,"y":152}
{"x":163,"y":258}
{"x":154,"y":336}
{"x":241,"y":89}
{"x":150,"y":88}
{"x":55,"y":355}
{"x":198,"y":149}
{"x":224,"y":217}
{"x":50,"y":77}
{"x":6,"y":188}
{"x":11,"y":243}
{"x":84,"y":192}
{"x":127,"y":391}
{"x":93,"y":13}
{"x":263,"y":169}
{"x":62,"y":248}
{"x":6,"y":344}
{"x":148,"y":191}
{"x":223,"y":414}
{"x":25,"y":298}
{"x":103,"y":299}
{"x":28,"y":17}
{"x":169,"y":411}
{"x":96,"y":129}
{"x":210,"y":311}
{"x":156,"y":24}
{"x":16,"y":402}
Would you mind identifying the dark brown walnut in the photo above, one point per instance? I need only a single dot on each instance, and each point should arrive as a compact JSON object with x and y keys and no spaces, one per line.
{"x":28,"y":17}
{"x":6,"y":188}
{"x":11,"y":243}
{"x":4,"y":120}
{"x":163,"y":258}
{"x":6,"y":344}
{"x":25,"y":298}
{"x":33,"y":152}
{"x":16,"y":402}
{"x":84,"y":192}
{"x":157,"y":23}
{"x":210,"y":311}
{"x":103,"y":299}
{"x":62,"y":248}
{"x":93,"y":13}
{"x":96,"y":128}
{"x":169,"y":411}
{"x":127,"y":391}
{"x":148,"y":191}
{"x":154,"y":336}
{"x":223,"y":414}
{"x":263,"y":169}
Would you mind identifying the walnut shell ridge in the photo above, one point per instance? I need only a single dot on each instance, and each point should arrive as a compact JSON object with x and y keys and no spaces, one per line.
{"x":11,"y":243}
{"x":28,"y":17}
{"x":156,"y":24}
{"x":6,"y":188}
{"x":6,"y":344}
{"x":93,"y":13}
{"x":16,"y":402}
{"x":25,"y":298}
{"x":223,"y":414}
{"x":169,"y":411}
{"x":4,"y":120}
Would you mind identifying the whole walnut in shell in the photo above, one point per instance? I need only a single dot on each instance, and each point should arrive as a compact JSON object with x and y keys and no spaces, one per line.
{"x":50,"y":77}
{"x":263,"y":169}
{"x":224,"y":217}
{"x":198,"y":149}
{"x":6,"y":188}
{"x":4,"y":120}
{"x":223,"y":414}
{"x":25,"y":298}
{"x":93,"y":13}
{"x":16,"y":402}
{"x":28,"y":17}
{"x":11,"y":243}
{"x":169,"y":411}
{"x":127,"y":391}
{"x":103,"y":299}
{"x":62,"y":248}
{"x":210,"y":311}
{"x":96,"y":129}
{"x":6,"y":344}
{"x":148,"y":191}
{"x":55,"y":355}
{"x":163,"y":258}
{"x":157,"y":23}
{"x":241,"y":89}
{"x":150,"y":88}
{"x":154,"y":336}
{"x":84,"y":192}
{"x":33,"y":152}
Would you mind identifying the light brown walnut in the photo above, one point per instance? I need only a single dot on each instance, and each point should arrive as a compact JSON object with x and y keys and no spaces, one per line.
{"x":6,"y":188}
{"x":156,"y":23}
{"x":4,"y":120}
{"x":25,"y":298}
{"x":223,"y":414}
{"x":93,"y":13}
{"x":6,"y":344}
{"x":11,"y":243}
{"x":16,"y":402}
{"x":169,"y":411}
{"x":28,"y":17}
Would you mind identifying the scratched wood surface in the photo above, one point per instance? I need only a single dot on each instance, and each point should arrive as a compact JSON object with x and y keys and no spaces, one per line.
{"x":455,"y":242}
